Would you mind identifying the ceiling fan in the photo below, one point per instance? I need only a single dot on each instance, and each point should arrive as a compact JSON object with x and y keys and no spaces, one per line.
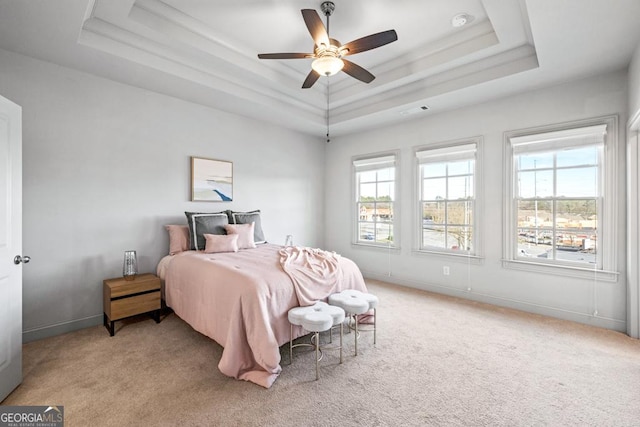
{"x":328,"y":53}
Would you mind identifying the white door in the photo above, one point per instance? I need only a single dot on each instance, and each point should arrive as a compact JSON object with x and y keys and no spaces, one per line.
{"x":10,"y":246}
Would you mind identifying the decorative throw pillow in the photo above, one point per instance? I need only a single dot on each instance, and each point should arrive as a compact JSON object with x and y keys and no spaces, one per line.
{"x":178,"y":238}
{"x":248,"y":218}
{"x":209,"y":224}
{"x":216,"y":243}
{"x":189,"y":215}
{"x":245,"y":234}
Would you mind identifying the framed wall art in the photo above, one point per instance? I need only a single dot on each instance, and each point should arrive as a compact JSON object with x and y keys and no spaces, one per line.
{"x":211,"y":180}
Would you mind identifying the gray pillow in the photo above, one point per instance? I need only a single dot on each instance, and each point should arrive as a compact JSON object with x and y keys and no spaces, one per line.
{"x":201,"y":223}
{"x":248,"y":218}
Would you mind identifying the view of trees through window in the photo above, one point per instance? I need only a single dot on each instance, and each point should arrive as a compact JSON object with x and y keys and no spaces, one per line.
{"x":557,"y":205}
{"x":376,"y":194}
{"x":447,"y":205}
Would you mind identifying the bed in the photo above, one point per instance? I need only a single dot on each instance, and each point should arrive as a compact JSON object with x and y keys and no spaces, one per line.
{"x":241,"y":299}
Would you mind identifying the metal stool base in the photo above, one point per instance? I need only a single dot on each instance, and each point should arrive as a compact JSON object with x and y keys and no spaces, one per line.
{"x":315,"y":343}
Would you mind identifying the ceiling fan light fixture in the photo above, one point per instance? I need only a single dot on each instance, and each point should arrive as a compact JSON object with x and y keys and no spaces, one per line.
{"x":327,"y":65}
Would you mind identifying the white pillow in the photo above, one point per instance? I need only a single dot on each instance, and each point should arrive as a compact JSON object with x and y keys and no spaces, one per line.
{"x":216,"y":243}
{"x":244,"y":233}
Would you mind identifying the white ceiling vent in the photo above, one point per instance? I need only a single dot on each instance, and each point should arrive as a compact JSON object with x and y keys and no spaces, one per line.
{"x":414,"y":110}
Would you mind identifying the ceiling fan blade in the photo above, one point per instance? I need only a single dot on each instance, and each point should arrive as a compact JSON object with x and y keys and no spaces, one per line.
{"x":315,"y":26}
{"x":357,"y":72}
{"x":312,"y":77}
{"x":284,"y":55}
{"x":370,"y":42}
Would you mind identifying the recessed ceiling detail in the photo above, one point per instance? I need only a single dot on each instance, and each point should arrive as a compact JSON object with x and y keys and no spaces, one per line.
{"x":185,"y":39}
{"x":205,"y":52}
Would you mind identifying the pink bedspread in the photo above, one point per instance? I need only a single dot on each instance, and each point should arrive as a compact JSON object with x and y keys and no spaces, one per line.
{"x":241,"y":301}
{"x":314,"y":273}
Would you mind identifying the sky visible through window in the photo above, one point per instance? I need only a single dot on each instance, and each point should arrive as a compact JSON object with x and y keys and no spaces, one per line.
{"x":557,"y":204}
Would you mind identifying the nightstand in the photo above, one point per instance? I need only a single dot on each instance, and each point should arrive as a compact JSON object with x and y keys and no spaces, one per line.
{"x":125,"y":298}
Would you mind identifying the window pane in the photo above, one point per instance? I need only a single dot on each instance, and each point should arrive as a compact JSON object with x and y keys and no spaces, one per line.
{"x":434,"y":189}
{"x":577,"y":182}
{"x":367,"y":192}
{"x":535,"y":184}
{"x":535,"y":214}
{"x":459,"y":213}
{"x":384,"y":233}
{"x":366,"y":232}
{"x":384,"y":212}
{"x":434,"y":169}
{"x":578,"y":213}
{"x":434,"y":237}
{"x":460,"y":238}
{"x":460,"y":187}
{"x":535,"y":161}
{"x":433,"y":213}
{"x":461,"y":168}
{"x":366,"y":211}
{"x":576,"y":246}
{"x":386,"y":174}
{"x":385,"y":191}
{"x":376,"y":192}
{"x":368,"y":176}
{"x":577,"y":157}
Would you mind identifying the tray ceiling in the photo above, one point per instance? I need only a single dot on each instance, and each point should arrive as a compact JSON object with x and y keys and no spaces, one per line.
{"x":206,"y":52}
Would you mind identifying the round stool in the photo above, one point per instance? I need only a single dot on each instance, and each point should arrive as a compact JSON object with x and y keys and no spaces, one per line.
{"x":355,"y":303}
{"x":316,"y":318}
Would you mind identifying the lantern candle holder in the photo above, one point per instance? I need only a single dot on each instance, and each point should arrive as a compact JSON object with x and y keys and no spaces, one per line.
{"x":130,"y":266}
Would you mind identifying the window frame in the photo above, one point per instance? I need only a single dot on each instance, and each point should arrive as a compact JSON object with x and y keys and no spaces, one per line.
{"x":474,"y":256}
{"x":607,"y":199}
{"x":355,"y":189}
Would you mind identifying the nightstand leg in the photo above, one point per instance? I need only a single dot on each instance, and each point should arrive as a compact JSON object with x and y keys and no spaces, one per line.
{"x":156,"y":316}
{"x":109,"y":325}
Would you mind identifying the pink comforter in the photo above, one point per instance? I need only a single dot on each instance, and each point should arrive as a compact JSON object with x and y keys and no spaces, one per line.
{"x":241,"y":301}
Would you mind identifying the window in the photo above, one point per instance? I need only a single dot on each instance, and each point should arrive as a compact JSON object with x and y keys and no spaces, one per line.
{"x":447,"y":198}
{"x":562,"y":197}
{"x":375,"y":188}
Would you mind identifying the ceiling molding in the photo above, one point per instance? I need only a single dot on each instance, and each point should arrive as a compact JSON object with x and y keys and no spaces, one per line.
{"x":206,"y":52}
{"x":157,"y":35}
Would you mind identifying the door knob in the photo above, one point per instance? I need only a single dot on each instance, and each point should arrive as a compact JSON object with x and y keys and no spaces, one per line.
{"x":18,"y":259}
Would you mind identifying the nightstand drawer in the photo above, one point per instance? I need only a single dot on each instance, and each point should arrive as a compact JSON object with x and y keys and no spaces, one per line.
{"x":142,"y":283}
{"x":130,"y":306}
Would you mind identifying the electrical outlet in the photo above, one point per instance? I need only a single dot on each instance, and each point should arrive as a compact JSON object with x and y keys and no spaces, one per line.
{"x":445,"y":270}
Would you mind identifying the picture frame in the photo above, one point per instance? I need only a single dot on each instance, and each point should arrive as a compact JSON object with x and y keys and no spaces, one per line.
{"x":211,"y":180}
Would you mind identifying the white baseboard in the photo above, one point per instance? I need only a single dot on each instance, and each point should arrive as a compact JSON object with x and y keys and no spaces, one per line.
{"x":60,"y":328}
{"x":592,"y":320}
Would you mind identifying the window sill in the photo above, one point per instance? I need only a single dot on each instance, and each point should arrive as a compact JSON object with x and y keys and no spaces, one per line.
{"x":375,"y":246}
{"x":561,"y":270}
{"x":466,"y":258}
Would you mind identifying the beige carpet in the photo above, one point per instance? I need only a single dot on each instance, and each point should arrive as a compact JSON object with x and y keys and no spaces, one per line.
{"x":438,"y":361}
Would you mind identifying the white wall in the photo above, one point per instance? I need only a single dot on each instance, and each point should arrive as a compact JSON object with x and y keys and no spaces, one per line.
{"x":634,"y":84}
{"x":106,"y":166}
{"x":633,"y":201}
{"x":560,"y":296}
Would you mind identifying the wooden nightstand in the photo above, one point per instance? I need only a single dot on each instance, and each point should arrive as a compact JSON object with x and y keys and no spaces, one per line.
{"x":125,"y":298}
